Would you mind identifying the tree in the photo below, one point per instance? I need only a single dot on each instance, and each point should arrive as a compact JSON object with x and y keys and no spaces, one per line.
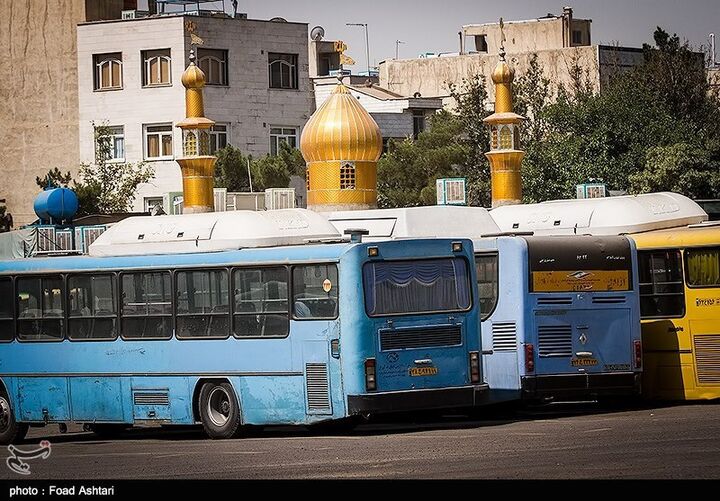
{"x":54,"y":179}
{"x":231,"y":169}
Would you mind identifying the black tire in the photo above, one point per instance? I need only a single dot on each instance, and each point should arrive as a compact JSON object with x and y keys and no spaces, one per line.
{"x":219,"y":411}
{"x":108,"y":430}
{"x":11,"y":432}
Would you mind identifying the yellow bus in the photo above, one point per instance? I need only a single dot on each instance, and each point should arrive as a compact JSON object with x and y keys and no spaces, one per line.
{"x":679,"y":268}
{"x":680,"y":309}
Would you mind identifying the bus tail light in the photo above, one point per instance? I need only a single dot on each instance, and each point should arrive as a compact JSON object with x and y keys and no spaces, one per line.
{"x":370,"y":381}
{"x":529,"y":358}
{"x":474,"y":367}
{"x":638,"y":354}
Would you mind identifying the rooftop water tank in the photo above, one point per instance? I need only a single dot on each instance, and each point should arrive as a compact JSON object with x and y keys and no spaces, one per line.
{"x":56,"y":204}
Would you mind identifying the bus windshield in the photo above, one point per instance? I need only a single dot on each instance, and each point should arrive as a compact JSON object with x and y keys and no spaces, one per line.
{"x":416,"y":286}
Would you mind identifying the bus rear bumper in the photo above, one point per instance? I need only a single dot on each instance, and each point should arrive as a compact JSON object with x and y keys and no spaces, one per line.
{"x":578,"y":386}
{"x":411,"y":400}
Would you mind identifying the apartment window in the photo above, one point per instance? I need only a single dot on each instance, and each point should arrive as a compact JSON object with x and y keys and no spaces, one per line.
{"x":108,"y":71}
{"x":218,"y":137}
{"x":156,"y":67}
{"x":283,"y":70}
{"x":158,"y":142}
{"x":577,"y":37}
{"x":279,"y":135}
{"x":213,"y":63}
{"x":418,"y":122}
{"x":481,"y":43}
{"x":153,"y":204}
{"x":113,"y":148}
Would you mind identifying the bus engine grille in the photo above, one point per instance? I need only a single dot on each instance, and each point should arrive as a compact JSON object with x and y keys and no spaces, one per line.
{"x":317,"y":386}
{"x":555,"y":340}
{"x":504,"y":336}
{"x":422,"y":337}
{"x":707,"y":358}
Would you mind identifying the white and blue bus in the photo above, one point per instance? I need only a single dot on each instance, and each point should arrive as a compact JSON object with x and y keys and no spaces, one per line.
{"x":232,"y":319}
{"x":560,"y":315}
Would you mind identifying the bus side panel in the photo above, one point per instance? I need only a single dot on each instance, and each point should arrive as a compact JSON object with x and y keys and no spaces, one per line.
{"x":101,"y":399}
{"x":503,"y":333}
{"x":43,"y":399}
{"x":161,"y":399}
{"x":271,"y":399}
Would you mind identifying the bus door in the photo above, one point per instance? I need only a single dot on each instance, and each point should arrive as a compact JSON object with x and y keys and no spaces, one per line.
{"x":417,"y":310}
{"x":315,"y":326}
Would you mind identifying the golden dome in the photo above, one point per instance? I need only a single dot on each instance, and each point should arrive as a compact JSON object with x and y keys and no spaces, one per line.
{"x":503,"y":73}
{"x":193,"y":77}
{"x":341,"y":129}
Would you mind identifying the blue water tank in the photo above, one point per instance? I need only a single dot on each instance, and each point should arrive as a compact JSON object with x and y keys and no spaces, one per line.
{"x":58,"y":204}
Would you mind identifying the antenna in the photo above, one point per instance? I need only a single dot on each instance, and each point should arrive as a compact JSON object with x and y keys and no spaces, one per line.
{"x":713,"y":61}
{"x":397,"y":48}
{"x":317,"y":33}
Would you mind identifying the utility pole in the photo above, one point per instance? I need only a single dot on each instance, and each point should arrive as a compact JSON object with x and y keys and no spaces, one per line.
{"x":367,"y":42}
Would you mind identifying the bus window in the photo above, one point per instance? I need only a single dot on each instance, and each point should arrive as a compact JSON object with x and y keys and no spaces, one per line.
{"x":202,"y":304}
{"x":40,"y":308}
{"x":315,"y":291}
{"x":92,"y":307}
{"x":486,"y":266}
{"x":661,"y":284}
{"x":146,"y":305}
{"x":7,"y":324}
{"x":414,"y":287}
{"x":261,"y":302}
{"x":703,"y":267}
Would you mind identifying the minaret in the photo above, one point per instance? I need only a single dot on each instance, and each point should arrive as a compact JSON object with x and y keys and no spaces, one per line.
{"x":196,"y":164}
{"x":341,"y":144}
{"x":505,"y":155}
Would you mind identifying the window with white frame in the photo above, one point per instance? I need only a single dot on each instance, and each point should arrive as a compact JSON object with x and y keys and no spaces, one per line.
{"x":156,"y":67}
{"x":114,"y":147}
{"x":283,"y":70}
{"x":218,"y":137}
{"x":279,"y":135}
{"x":107,"y":71}
{"x":213,"y":62}
{"x":158,"y":141}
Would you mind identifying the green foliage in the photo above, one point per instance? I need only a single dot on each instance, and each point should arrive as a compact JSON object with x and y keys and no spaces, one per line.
{"x":231,"y":169}
{"x":54,"y":179}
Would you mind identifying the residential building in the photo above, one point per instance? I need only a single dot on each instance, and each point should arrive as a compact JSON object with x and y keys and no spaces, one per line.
{"x":257,"y":87}
{"x":560,"y":43}
{"x":40,"y":123}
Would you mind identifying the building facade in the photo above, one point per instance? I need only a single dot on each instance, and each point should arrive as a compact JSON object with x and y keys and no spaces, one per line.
{"x":257,"y":88}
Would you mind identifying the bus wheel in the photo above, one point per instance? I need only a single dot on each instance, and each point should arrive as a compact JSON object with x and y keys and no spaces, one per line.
{"x":108,"y":430}
{"x":11,"y":432}
{"x":219,"y":410}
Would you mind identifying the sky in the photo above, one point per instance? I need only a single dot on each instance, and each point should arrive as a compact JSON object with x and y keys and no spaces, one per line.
{"x":432,"y":25}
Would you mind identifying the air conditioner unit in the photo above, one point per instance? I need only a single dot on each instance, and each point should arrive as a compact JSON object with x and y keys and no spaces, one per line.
{"x":64,"y":240}
{"x":591,"y":190}
{"x":173,"y":203}
{"x":45,"y":239}
{"x":279,"y":198}
{"x":451,"y":191}
{"x":86,"y":235}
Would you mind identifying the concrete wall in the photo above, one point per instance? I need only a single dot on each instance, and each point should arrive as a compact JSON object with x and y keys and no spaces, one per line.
{"x":38,"y":90}
{"x":520,"y":36}
{"x":247,"y":104}
{"x":430,"y":76}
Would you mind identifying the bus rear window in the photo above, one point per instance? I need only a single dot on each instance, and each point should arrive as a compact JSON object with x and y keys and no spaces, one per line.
{"x":418,"y":286}
{"x":661,"y":284}
{"x":703,"y":267}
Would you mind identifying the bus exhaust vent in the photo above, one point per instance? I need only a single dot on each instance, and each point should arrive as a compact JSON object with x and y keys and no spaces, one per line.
{"x":504,"y":336}
{"x":707,"y":358}
{"x":317,"y":387}
{"x":553,"y":300}
{"x":422,"y":337}
{"x":555,"y":340}
{"x":608,"y":299}
{"x":151,"y":398}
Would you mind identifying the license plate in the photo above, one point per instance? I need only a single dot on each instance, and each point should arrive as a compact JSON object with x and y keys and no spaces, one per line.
{"x":583,"y":362}
{"x":423,"y":371}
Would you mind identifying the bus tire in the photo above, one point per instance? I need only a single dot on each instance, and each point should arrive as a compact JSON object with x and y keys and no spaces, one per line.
{"x":219,"y":410}
{"x":11,"y":432}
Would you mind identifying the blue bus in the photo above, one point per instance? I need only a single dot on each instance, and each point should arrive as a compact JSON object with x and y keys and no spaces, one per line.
{"x":236,"y":319}
{"x":560,"y":315}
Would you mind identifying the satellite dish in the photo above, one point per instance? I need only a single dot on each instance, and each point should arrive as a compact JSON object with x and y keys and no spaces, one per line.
{"x":278,"y":20}
{"x":317,"y":33}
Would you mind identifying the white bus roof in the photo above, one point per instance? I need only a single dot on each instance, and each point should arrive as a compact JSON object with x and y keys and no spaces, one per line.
{"x":601,"y":216}
{"x":213,"y":231}
{"x":430,"y":221}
